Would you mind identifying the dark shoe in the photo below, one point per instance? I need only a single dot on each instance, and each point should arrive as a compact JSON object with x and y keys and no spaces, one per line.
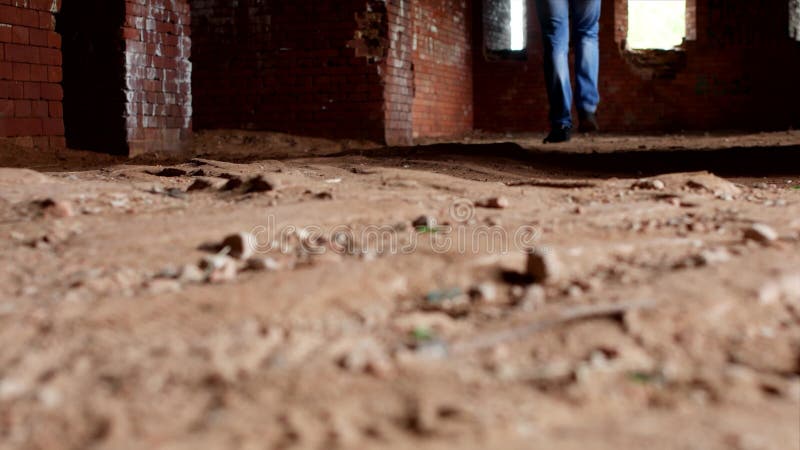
{"x":558,"y":134}
{"x":588,"y":122}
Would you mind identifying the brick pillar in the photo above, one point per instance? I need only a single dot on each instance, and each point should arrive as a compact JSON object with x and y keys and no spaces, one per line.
{"x":30,"y":73}
{"x":399,"y":73}
{"x":158,"y":75}
{"x":691,"y":20}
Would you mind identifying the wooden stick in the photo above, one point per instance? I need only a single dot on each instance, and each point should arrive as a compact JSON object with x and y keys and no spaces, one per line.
{"x":490,"y":339}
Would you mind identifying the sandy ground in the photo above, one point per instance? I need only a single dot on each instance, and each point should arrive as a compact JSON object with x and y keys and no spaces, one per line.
{"x":667,"y":321}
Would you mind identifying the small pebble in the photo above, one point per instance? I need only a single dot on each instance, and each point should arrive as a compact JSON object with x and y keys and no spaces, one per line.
{"x":544,"y":266}
{"x":495,"y":203}
{"x":163,"y":286}
{"x":713,"y":256}
{"x":484,"y":292}
{"x":170,"y":172}
{"x":761,"y":233}
{"x":234,"y":182}
{"x":532,"y":298}
{"x":263,"y":264}
{"x":240,"y":245}
{"x":648,"y":184}
{"x":200,"y":184}
{"x":424,"y":222}
{"x":57,"y":208}
{"x":219,"y":268}
{"x":259,"y":183}
{"x":190,"y":273}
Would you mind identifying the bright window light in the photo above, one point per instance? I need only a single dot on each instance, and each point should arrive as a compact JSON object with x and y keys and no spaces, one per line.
{"x":517,"y":24}
{"x":656,"y":24}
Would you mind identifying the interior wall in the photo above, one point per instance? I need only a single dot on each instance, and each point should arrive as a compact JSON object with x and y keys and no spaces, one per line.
{"x":442,"y":59}
{"x":737,"y":74}
{"x":299,"y":67}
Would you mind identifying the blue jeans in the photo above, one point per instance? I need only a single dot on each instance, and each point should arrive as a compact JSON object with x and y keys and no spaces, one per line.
{"x":555,"y":17}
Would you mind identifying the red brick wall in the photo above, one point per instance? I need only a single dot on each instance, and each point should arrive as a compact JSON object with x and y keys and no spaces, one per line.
{"x":30,"y":73}
{"x":739,"y":74}
{"x":370,"y":69}
{"x":442,"y":57}
{"x":296,"y":67}
{"x":399,"y":73}
{"x":158,"y":74}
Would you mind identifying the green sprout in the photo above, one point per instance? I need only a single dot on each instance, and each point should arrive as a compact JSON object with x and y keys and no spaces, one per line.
{"x":645,"y":377}
{"x":422,"y":334}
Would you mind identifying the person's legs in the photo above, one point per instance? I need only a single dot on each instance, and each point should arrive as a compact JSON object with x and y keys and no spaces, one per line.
{"x":585,"y":17}
{"x":554,"y":19}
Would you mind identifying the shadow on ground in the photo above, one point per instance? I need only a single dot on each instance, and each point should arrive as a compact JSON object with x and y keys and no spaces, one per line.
{"x":734,"y":161}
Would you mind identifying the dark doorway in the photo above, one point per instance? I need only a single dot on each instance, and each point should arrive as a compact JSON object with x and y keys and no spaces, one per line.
{"x":94,"y":74}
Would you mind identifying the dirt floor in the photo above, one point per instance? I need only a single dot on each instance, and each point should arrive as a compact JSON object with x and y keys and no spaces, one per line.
{"x":388,"y":302}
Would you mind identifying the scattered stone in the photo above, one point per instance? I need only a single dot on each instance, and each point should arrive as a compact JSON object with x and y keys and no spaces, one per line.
{"x":168,"y":272}
{"x":707,"y":257}
{"x":325,"y":195}
{"x":175,"y":193}
{"x":120,"y":201}
{"x":163,"y":286}
{"x":574,"y":291}
{"x":201,"y":184}
{"x":400,"y":226}
{"x":262,"y":264}
{"x":531,"y":298}
{"x":544,"y":266}
{"x":365,"y":355}
{"x":484,"y":292}
{"x":494,"y":202}
{"x":240,"y":245}
{"x":785,"y":288}
{"x":424,"y":221}
{"x":360,"y":171}
{"x":431,"y":349}
{"x":761,"y":186}
{"x":712,"y":184}
{"x":440,"y":295}
{"x":259,"y":183}
{"x":170,"y":172}
{"x":761,"y":233}
{"x":219,"y":268}
{"x":190,"y":273}
{"x":198,"y":173}
{"x":56,"y":208}
{"x":648,"y":184}
{"x":234,"y":182}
